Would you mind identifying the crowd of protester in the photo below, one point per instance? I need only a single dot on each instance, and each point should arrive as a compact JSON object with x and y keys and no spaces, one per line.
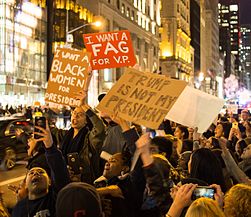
{"x":105,"y":166}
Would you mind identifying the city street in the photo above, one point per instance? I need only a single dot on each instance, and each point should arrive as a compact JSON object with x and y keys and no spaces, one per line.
{"x":12,"y":177}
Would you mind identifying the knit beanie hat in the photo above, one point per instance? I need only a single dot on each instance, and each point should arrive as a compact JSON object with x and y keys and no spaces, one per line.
{"x":78,"y":199}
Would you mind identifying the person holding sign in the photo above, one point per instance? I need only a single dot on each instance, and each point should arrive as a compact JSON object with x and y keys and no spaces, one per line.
{"x":82,"y":143}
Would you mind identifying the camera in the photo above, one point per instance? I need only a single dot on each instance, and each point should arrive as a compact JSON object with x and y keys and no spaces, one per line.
{"x":74,"y":162}
{"x":40,"y":122}
{"x":203,"y":191}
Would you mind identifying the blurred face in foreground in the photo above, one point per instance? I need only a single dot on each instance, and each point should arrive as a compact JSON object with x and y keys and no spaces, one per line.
{"x":37,"y":182}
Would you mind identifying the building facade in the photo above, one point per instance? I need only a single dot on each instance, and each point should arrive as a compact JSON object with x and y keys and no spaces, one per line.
{"x":195,"y":22}
{"x":142,"y":19}
{"x":229,"y":22}
{"x":23,"y":51}
{"x":245,"y":54}
{"x":176,"y":52}
{"x":211,"y":45}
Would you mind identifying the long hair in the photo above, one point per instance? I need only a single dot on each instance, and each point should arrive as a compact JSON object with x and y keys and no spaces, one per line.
{"x":238,"y":200}
{"x":205,"y":207}
{"x":206,"y":166}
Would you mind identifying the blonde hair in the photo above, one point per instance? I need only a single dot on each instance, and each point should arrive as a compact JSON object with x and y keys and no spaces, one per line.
{"x":238,"y":201}
{"x":205,"y":207}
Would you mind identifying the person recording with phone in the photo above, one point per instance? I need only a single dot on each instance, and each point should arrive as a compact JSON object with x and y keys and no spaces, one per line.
{"x":81,"y":145}
{"x":41,"y":189}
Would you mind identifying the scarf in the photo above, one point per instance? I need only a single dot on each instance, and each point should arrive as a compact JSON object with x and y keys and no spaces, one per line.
{"x":70,"y":144}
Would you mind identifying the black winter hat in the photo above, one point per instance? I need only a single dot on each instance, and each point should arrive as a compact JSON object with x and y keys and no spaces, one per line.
{"x":101,"y":96}
{"x":78,"y":199}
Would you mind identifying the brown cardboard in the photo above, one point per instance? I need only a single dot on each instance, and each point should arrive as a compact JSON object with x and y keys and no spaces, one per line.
{"x":141,"y":97}
{"x":67,"y":76}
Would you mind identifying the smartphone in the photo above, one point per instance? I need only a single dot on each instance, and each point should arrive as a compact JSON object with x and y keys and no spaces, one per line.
{"x":40,"y":122}
{"x":74,"y":162}
{"x":235,"y":125}
{"x":203,"y":191}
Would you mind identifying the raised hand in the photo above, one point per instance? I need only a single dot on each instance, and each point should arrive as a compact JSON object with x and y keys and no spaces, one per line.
{"x":81,"y":96}
{"x":120,"y":121}
{"x":144,"y":142}
{"x":45,"y":135}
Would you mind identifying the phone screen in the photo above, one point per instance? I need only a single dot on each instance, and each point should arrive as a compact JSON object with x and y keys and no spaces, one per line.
{"x":235,"y":125}
{"x":74,"y":162}
{"x":203,"y":192}
{"x":40,"y":122}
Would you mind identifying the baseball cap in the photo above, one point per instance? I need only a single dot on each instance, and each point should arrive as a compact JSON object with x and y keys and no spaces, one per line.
{"x":78,"y":199}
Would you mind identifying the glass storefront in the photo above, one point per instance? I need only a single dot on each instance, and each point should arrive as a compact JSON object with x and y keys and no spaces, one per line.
{"x":23,"y":55}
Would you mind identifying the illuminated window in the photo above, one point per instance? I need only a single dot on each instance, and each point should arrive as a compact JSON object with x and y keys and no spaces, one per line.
{"x":107,"y":75}
{"x":233,"y":22}
{"x":123,"y":8}
{"x":128,"y":12}
{"x":132,"y":16}
{"x":233,"y":7}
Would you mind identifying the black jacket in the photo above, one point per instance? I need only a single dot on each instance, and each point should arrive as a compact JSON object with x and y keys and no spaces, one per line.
{"x":91,"y":144}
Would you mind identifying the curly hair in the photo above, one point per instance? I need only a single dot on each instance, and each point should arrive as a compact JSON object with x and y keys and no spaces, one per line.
{"x":205,"y":207}
{"x":237,"y":201}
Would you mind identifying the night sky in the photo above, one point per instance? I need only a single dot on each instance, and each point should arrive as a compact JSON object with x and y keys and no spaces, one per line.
{"x":245,"y":14}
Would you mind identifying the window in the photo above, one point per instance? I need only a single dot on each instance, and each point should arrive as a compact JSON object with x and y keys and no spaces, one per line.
{"x":107,"y":75}
{"x":146,"y":47}
{"x":118,"y":4}
{"x":123,"y":8}
{"x":128,"y":12}
{"x":132,"y":15}
{"x":138,"y":43}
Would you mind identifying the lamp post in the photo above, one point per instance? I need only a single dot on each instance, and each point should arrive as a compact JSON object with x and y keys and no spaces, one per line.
{"x":69,"y":36}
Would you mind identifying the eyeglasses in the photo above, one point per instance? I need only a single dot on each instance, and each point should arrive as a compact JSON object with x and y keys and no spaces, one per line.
{"x":78,"y":114}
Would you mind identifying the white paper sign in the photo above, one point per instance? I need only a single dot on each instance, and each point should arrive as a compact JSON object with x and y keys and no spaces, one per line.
{"x":195,"y":108}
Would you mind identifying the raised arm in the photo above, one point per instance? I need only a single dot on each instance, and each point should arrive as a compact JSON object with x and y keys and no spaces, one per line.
{"x":153,"y":174}
{"x":232,"y":167}
{"x":56,"y":162}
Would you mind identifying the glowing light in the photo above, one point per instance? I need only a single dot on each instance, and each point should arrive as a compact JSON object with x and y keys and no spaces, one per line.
{"x":97,"y":23}
{"x":26,"y":19}
{"x":32,"y":9}
{"x":167,"y":53}
{"x":23,"y":43}
{"x":201,"y":76}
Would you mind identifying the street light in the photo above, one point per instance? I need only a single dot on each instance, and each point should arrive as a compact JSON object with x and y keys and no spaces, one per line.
{"x":69,"y":36}
{"x":96,"y":24}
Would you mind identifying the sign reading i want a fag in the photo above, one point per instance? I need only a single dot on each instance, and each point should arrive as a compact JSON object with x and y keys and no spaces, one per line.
{"x":110,"y":49}
{"x":68,"y":75}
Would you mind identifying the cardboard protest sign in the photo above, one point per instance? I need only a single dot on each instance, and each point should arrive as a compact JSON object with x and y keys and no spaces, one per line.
{"x":143,"y":98}
{"x":68,"y":76}
{"x":195,"y":108}
{"x":110,"y":49}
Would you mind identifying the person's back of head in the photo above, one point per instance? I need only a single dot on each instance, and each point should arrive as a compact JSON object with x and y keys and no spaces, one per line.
{"x":205,"y":166}
{"x":162,"y":165}
{"x":164,"y":145}
{"x":78,"y":199}
{"x":238,"y":201}
{"x":205,"y":207}
{"x":184,"y":159}
{"x":187,"y":145}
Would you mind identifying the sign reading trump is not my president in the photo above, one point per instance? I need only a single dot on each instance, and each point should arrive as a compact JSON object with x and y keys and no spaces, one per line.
{"x":141,"y":97}
{"x":69,"y":72}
